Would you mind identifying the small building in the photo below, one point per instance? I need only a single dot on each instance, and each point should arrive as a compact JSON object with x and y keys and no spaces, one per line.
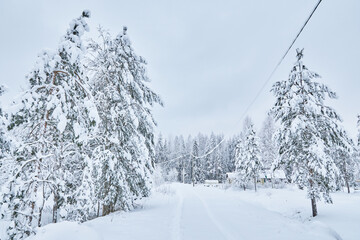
{"x":211,"y":183}
{"x":276,"y":176}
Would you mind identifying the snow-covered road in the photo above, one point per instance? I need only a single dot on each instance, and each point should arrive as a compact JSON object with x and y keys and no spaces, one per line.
{"x":183,"y":212}
{"x":211,"y":213}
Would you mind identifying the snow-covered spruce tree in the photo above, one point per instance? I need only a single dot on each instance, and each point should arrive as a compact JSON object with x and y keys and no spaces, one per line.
{"x":239,"y":152}
{"x":267,"y":142}
{"x":161,"y":150}
{"x":212,"y":162}
{"x":221,"y":155}
{"x":52,"y":124}
{"x":346,"y":163}
{"x":3,"y":141}
{"x":188,"y":160}
{"x":202,"y":146}
{"x":231,"y":150}
{"x":248,"y":162}
{"x":172,"y":152}
{"x":124,"y":149}
{"x":183,"y":161}
{"x":82,"y":118}
{"x":309,"y":130}
{"x":196,"y":170}
{"x":6,"y":163}
{"x":164,"y":157}
{"x":210,"y":159}
{"x":180,"y":154}
{"x":356,"y":152}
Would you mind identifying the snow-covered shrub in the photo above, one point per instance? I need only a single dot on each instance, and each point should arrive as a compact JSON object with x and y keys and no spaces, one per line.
{"x":166,"y":189}
{"x":171,"y":176}
{"x":158,"y":178}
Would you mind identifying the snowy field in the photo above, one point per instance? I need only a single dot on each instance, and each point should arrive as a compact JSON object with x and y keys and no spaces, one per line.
{"x":179,"y":211}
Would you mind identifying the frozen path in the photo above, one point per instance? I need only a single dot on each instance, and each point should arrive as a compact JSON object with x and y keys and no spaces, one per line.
{"x":196,"y":213}
{"x":211,"y":213}
{"x":183,"y":212}
{"x":197,"y":220}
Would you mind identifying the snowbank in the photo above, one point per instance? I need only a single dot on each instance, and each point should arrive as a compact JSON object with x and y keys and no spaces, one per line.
{"x":66,"y":231}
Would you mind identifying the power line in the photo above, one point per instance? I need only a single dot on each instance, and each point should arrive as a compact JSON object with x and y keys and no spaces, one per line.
{"x":302,"y":28}
{"x":262,"y":87}
{"x":278,"y":64}
{"x":176,"y":158}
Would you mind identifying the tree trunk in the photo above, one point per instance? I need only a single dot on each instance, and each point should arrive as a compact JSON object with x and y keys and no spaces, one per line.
{"x":111,"y":208}
{"x":314,"y":208}
{"x":40,"y":216}
{"x":32,"y":212}
{"x":106,"y":209}
{"x":347,"y":185}
{"x":32,"y":202}
{"x":346,"y":176}
{"x":42,"y":205}
{"x":183,"y":175}
{"x":313,"y":200}
{"x":255,"y":183}
{"x":55,"y":208}
{"x":98,"y":209}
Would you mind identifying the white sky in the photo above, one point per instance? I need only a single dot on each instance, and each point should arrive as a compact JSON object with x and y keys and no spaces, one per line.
{"x":207,"y":59}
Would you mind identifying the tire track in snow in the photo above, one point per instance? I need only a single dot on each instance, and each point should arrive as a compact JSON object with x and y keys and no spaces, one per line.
{"x":221,"y":229}
{"x":176,"y":225}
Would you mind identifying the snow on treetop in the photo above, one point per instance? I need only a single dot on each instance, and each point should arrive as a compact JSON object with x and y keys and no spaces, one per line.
{"x":86,"y":13}
{"x":3,"y":88}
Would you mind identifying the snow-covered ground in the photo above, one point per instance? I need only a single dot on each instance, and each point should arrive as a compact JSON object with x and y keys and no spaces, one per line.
{"x":180,"y":211}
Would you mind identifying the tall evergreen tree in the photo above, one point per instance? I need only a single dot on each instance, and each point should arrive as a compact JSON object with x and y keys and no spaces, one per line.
{"x":164,"y":157}
{"x":6,"y":164}
{"x":231,"y":153}
{"x":188,"y":160}
{"x":356,"y":153}
{"x":54,"y":121}
{"x":308,"y":131}
{"x":347,"y":166}
{"x":267,"y":142}
{"x":161,"y":150}
{"x":118,"y":79}
{"x":212,"y":158}
{"x":4,"y":141}
{"x":181,"y":158}
{"x":248,"y":163}
{"x":196,"y":170}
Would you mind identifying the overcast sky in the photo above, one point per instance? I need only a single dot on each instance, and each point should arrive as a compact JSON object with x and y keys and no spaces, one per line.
{"x":207,"y":59}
